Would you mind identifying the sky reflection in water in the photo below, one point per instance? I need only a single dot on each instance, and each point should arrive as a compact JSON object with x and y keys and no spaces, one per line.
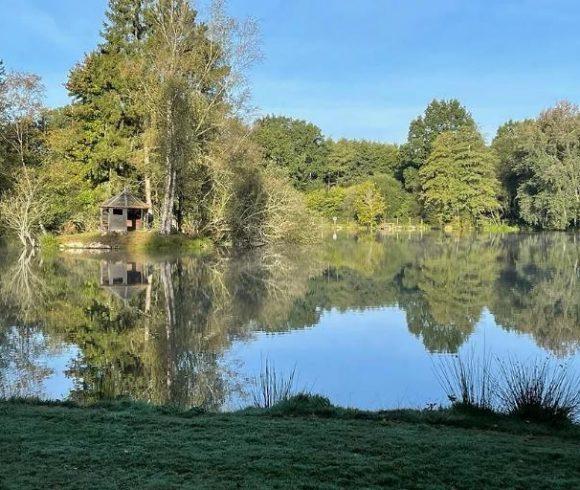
{"x":363,"y":321}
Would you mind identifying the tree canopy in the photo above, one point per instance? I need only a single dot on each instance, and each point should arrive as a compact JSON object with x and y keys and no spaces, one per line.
{"x":540,"y":166}
{"x":161,"y":106}
{"x":439,"y":116}
{"x":296,"y":146}
{"x":458,"y":180}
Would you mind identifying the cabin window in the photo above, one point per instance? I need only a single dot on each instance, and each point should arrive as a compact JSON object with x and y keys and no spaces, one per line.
{"x":118,"y":212}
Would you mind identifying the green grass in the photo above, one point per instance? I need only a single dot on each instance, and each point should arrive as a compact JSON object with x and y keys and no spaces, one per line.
{"x":303,"y":443}
{"x":489,"y":227}
{"x":137,"y":241}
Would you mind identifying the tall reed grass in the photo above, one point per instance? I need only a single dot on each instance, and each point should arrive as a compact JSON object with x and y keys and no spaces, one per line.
{"x":537,"y":390}
{"x":272,"y":387}
{"x":543,"y":391}
{"x":467,"y":382}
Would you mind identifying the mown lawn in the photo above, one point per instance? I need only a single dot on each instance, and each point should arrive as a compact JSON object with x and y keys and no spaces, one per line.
{"x":52,"y":446}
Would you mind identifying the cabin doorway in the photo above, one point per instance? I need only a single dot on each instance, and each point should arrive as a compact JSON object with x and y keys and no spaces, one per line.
{"x":134,"y":217}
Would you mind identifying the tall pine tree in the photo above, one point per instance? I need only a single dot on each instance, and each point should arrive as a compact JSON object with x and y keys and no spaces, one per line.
{"x":440,"y":116}
{"x":458,"y":180}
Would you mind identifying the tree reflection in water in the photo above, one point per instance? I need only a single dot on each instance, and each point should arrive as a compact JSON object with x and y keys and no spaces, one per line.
{"x":157,"y":330}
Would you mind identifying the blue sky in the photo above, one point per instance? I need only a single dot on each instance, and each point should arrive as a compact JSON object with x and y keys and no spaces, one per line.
{"x":357,"y":68}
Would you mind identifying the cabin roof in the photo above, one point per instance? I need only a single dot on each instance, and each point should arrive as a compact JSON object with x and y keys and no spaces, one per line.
{"x":125,"y":200}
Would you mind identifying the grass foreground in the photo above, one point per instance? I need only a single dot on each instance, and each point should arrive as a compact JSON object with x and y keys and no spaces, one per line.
{"x":302,"y":443}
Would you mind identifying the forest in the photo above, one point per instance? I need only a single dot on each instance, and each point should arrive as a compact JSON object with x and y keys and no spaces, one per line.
{"x":162,"y":107}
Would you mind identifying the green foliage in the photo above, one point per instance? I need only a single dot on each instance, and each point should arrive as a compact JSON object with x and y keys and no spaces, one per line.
{"x":366,"y":203}
{"x":48,"y":242}
{"x":540,"y":167}
{"x":294,"y":145}
{"x":101,"y":129}
{"x":73,"y":199}
{"x":440,"y":116}
{"x":381,"y":194}
{"x":350,"y":161}
{"x":160,"y":114}
{"x":458,"y":181}
{"x":310,"y":160}
{"x":329,"y":202}
{"x":303,"y":404}
{"x":398,"y":202}
{"x":502,"y":227}
{"x":95,"y":144}
{"x":509,"y":147}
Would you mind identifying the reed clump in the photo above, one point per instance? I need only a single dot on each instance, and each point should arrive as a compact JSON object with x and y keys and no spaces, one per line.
{"x":272,"y":387}
{"x":537,"y":390}
{"x":467,"y":382}
{"x":543,"y":391}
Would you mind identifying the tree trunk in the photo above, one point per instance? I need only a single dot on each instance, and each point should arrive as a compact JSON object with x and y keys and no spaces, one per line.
{"x":148,"y":199}
{"x":169,"y":187}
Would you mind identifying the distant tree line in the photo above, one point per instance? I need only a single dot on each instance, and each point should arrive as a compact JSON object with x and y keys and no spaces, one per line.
{"x":445,"y":173}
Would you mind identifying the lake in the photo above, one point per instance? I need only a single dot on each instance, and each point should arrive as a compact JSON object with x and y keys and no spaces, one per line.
{"x":362,"y":320}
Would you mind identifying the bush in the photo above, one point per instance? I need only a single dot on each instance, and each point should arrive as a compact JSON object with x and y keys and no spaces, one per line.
{"x":48,"y":242}
{"x":398,"y":202}
{"x":327,"y":202}
{"x":381,"y":196}
{"x":368,"y":205}
{"x":247,"y":204}
{"x":287,"y":217}
{"x":491,"y":227}
{"x":542,"y":392}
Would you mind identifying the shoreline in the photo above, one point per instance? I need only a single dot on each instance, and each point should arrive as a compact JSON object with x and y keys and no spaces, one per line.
{"x":137,"y":241}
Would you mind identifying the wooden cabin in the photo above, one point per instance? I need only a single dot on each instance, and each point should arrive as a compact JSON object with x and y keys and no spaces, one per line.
{"x":123,"y":213}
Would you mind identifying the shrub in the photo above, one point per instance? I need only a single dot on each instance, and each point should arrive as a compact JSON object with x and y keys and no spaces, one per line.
{"x":493,"y":227}
{"x":369,"y":205}
{"x":468,"y":383}
{"x":287,"y":219}
{"x":48,"y":242}
{"x":327,"y":202}
{"x":542,"y":392}
{"x":398,"y":202}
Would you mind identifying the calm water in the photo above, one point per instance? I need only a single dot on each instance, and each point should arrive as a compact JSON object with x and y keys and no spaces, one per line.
{"x":363,"y":321}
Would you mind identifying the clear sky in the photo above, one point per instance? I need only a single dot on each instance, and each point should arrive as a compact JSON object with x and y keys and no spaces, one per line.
{"x":357,"y":68}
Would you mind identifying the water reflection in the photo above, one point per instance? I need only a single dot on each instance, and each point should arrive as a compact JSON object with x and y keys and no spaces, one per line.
{"x":163,"y":330}
{"x":126,"y":279}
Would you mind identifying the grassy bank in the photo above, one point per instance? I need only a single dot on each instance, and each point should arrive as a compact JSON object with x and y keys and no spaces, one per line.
{"x":298,"y":445}
{"x":137,"y":241}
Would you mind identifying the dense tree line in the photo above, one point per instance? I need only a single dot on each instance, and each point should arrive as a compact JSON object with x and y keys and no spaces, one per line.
{"x":445,"y":173}
{"x":160,"y":106}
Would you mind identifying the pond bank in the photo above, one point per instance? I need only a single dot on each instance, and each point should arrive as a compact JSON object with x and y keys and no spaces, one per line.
{"x":137,"y":241}
{"x":139,"y":446}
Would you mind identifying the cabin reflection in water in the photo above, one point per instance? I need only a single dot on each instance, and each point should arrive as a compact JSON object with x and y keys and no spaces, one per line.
{"x":125,"y":279}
